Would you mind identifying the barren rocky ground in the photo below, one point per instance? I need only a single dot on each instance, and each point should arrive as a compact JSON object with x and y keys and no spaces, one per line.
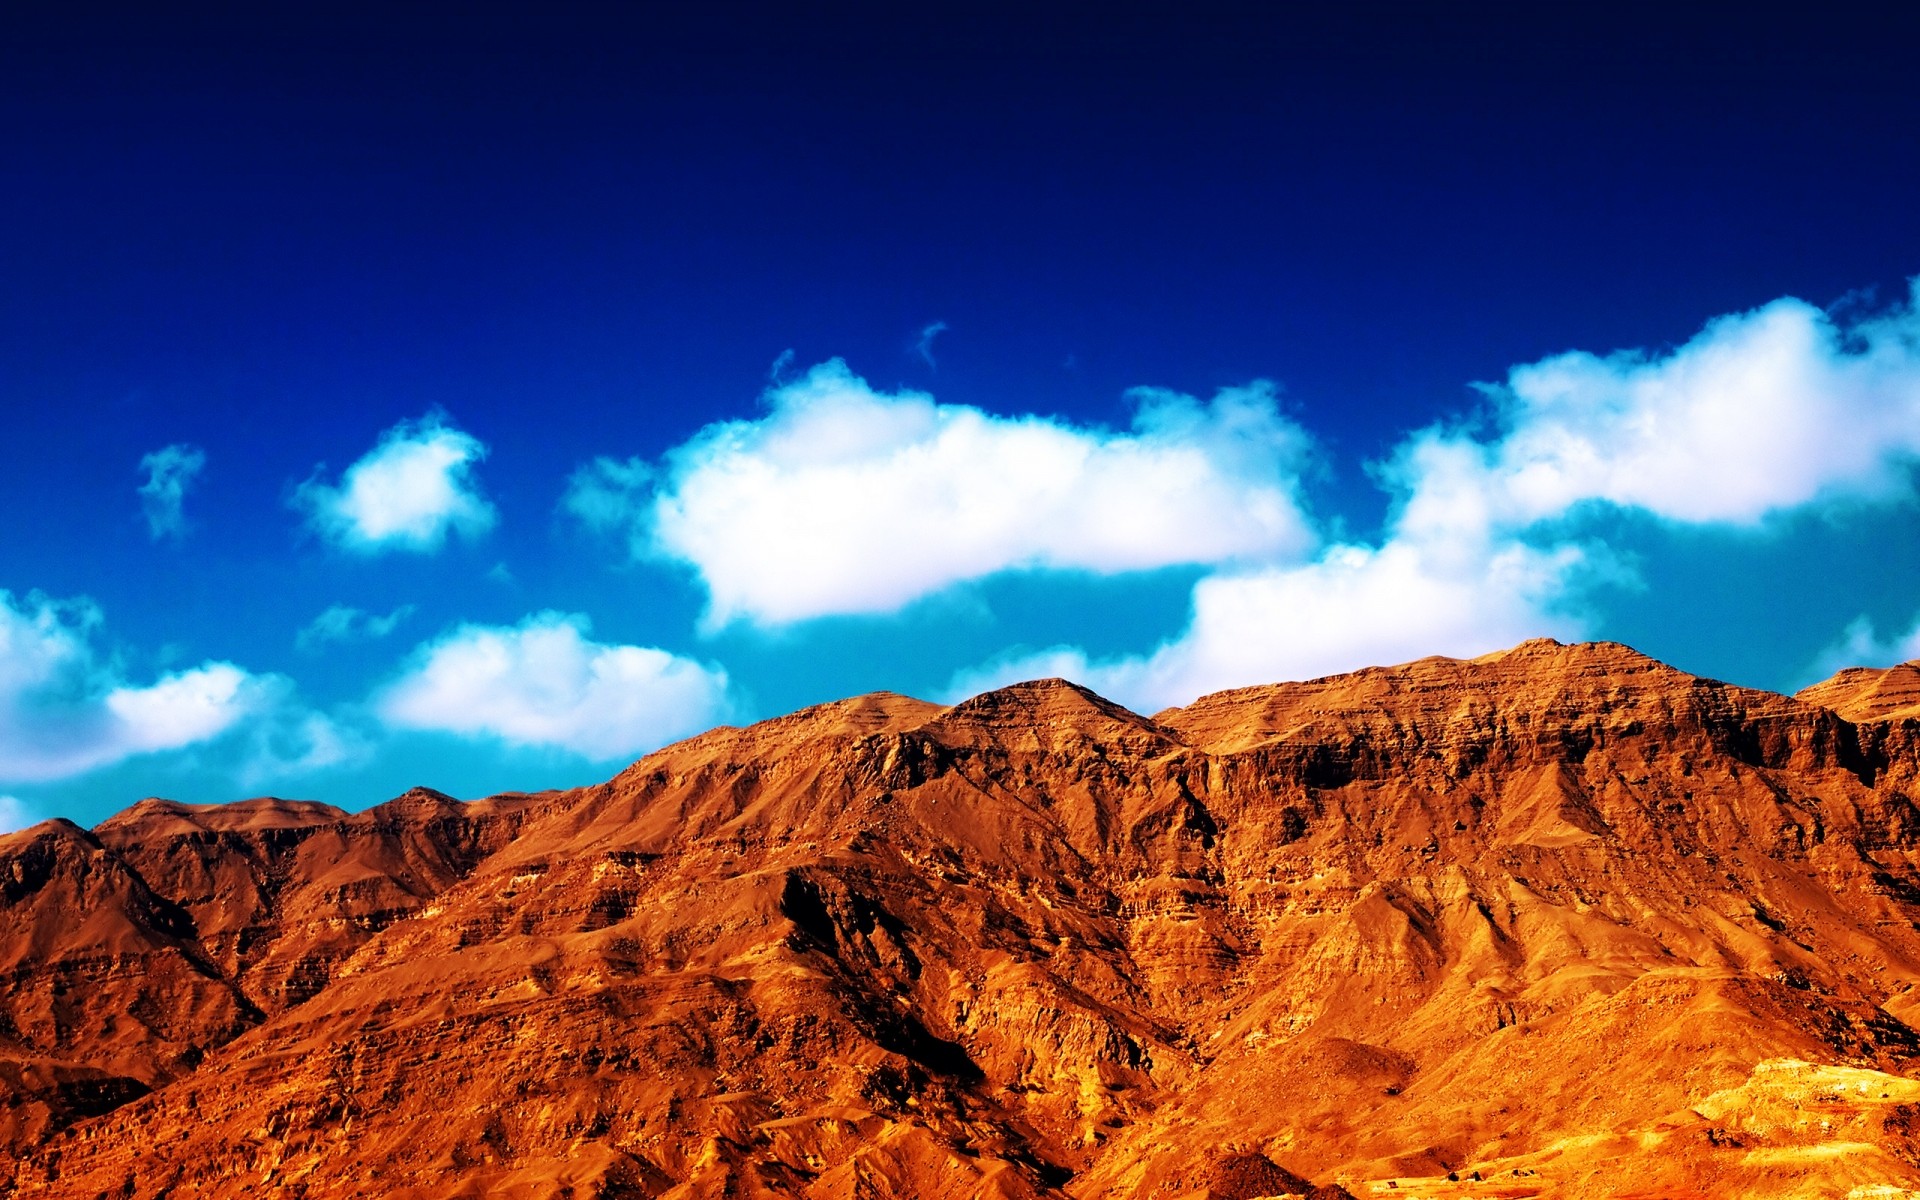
{"x":1562,"y":921}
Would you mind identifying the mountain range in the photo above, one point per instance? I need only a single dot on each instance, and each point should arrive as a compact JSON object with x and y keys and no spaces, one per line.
{"x":1560,"y":921}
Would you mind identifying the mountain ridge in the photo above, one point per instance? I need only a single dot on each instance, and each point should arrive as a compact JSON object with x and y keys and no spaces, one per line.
{"x":1376,"y":926}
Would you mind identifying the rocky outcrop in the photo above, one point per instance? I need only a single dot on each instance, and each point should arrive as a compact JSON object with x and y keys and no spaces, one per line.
{"x":1562,"y":919}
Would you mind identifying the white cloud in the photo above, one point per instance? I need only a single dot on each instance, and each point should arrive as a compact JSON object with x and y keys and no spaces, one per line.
{"x":1859,"y":645}
{"x":1354,"y":606}
{"x":181,"y":708}
{"x":1761,"y":413}
{"x":344,"y":623}
{"x":1018,"y":666}
{"x":170,"y":470}
{"x":15,"y":813}
{"x":289,"y":740}
{"x":544,"y":683}
{"x":64,"y":711}
{"x":407,"y":493}
{"x":847,"y":500}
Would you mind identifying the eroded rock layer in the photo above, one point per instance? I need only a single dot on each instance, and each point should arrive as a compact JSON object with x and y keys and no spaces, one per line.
{"x":1562,"y":921}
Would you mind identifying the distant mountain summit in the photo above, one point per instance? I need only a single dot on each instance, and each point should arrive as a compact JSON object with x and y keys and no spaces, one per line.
{"x":1867,"y":694}
{"x":1559,"y":921}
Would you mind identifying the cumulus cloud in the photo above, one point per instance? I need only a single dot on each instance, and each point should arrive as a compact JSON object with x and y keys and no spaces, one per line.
{"x":344,"y":623}
{"x":1762,"y":413}
{"x":1353,"y":606}
{"x":65,"y":710}
{"x":181,"y":708}
{"x":843,"y":499}
{"x":170,"y":470}
{"x":543,"y":682}
{"x":408,"y":493}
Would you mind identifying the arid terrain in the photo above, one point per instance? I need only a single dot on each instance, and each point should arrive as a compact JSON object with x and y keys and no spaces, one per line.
{"x":1561,"y":921}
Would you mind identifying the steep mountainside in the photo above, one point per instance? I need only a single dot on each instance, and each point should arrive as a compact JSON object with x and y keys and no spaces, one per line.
{"x":1562,"y":921}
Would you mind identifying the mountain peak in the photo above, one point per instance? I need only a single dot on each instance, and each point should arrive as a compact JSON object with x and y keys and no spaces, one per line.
{"x":161,"y":817}
{"x":1616,"y":655}
{"x":1054,"y":713}
{"x":1869,"y":693}
{"x":1052,"y":698}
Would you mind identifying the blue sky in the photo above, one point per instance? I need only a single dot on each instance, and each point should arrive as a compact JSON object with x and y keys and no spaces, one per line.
{"x":479,"y":399}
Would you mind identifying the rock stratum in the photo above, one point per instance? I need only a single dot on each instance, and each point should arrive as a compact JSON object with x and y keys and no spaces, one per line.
{"x":1561,"y":921}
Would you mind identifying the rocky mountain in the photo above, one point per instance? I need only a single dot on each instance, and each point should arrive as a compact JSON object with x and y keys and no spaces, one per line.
{"x":1561,"y":921}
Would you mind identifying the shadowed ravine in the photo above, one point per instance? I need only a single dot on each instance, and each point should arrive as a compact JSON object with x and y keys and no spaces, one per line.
{"x":1561,"y":921}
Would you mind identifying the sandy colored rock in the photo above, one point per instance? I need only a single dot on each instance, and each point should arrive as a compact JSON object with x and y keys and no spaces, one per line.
{"x":1870,"y":693}
{"x":1561,"y":921}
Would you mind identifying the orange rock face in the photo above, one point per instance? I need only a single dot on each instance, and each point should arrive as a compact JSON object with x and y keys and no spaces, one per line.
{"x":1562,"y":921}
{"x":1866,"y":694}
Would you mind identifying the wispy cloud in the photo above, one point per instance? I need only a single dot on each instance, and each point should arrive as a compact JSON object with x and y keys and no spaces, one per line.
{"x":344,"y":623}
{"x":924,"y":347}
{"x":171,"y":470}
{"x":782,"y":366}
{"x":16,"y":813}
{"x":288,"y":740}
{"x":1860,"y":645}
{"x":416,"y":486}
{"x":848,"y":500}
{"x":544,"y":682}
{"x":607,"y":492}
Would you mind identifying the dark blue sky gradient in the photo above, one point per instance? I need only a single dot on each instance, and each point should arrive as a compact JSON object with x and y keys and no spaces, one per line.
{"x":274,"y":231}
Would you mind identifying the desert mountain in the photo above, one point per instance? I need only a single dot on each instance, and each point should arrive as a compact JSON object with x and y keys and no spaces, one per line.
{"x":1561,"y":921}
{"x":1866,"y":694}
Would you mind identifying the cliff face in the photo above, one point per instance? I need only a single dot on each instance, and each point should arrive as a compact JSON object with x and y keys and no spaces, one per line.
{"x":1563,"y":917}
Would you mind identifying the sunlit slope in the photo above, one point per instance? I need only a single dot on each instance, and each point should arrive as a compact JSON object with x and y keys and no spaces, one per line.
{"x":1563,"y":916}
